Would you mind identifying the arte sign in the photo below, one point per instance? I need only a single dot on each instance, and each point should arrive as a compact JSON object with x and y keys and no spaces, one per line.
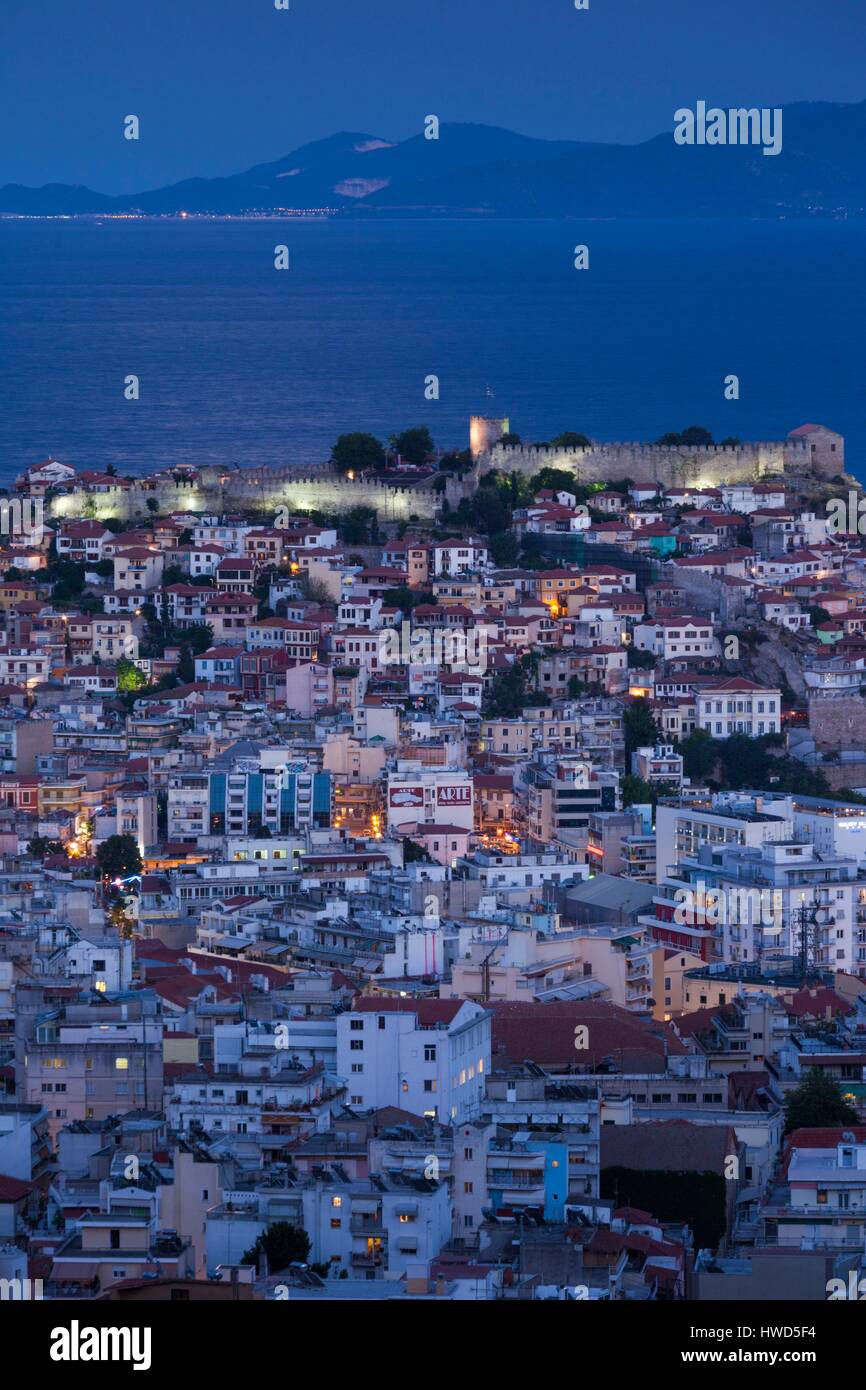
{"x":454,"y":796}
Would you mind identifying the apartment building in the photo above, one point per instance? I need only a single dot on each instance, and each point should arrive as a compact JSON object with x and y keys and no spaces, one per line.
{"x":738,"y":706}
{"x":427,"y":1056}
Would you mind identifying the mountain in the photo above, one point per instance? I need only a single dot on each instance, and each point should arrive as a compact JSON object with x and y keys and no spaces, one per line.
{"x":486,"y":171}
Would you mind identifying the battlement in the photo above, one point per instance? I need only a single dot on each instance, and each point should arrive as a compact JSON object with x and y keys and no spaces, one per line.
{"x":809,"y":449}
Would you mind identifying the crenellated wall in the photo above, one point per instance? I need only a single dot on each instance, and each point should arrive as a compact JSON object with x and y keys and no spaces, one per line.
{"x":820,"y":451}
{"x":262,"y":490}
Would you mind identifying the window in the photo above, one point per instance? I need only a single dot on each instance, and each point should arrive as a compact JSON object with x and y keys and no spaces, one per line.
{"x":381,"y":1020}
{"x":356,"y":1045}
{"x":357,"y":1025}
{"x":121,"y":1063}
{"x":430,"y":1052}
{"x":467,"y":1153}
{"x":467,"y":1188}
{"x":114,"y":1240}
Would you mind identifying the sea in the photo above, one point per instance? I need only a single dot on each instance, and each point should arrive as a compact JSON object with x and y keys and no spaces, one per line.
{"x":380,"y":325}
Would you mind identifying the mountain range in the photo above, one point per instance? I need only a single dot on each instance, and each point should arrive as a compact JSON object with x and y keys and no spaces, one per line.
{"x":485,"y":171}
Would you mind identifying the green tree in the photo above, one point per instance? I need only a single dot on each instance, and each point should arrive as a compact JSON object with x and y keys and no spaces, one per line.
{"x":41,"y":845}
{"x":504,"y":549}
{"x":118,"y":857}
{"x":635,"y":791}
{"x":186,"y":666}
{"x":639,"y":727}
{"x":152,"y":505}
{"x":283,"y":1244}
{"x":129,"y":677}
{"x":414,"y":445}
{"x":405,"y":599}
{"x":638,"y":659}
{"x":570,"y":439}
{"x":352,"y":453}
{"x":699,"y":755}
{"x":68,"y":580}
{"x":413,"y":853}
{"x":817,"y":1103}
{"x":355,"y":525}
{"x":817,"y":614}
{"x":694,"y":434}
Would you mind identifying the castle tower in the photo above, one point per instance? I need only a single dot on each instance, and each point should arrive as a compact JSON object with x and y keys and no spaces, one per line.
{"x":484,"y":432}
{"x":815,"y":448}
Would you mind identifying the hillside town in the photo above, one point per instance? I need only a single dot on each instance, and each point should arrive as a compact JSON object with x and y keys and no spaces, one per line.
{"x":466,"y":907}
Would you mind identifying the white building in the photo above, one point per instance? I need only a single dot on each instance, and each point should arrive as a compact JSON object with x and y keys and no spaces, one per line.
{"x":676,"y":637}
{"x":417,"y":793}
{"x":428,"y":1056}
{"x":738,"y":706}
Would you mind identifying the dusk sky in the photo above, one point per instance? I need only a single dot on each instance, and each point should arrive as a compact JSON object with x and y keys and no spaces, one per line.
{"x":219,"y":85}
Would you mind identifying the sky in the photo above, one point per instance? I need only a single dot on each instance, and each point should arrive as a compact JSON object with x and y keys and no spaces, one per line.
{"x":219,"y":85}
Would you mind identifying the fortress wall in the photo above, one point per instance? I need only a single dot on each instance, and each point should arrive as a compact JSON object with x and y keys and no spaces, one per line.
{"x":667,"y":465}
{"x":262,"y":491}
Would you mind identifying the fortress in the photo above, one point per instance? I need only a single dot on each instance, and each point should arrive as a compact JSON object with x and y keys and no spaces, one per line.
{"x":808,"y":451}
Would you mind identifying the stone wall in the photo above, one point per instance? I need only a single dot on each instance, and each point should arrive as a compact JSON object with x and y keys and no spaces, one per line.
{"x":821,"y":452}
{"x":263,"y":490}
{"x":838,"y":722}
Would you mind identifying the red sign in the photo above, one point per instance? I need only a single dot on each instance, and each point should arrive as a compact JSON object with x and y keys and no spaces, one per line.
{"x":406,"y":796}
{"x":454,"y":796}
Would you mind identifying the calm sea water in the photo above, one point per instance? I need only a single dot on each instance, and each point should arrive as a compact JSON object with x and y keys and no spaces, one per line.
{"x":241,"y":363}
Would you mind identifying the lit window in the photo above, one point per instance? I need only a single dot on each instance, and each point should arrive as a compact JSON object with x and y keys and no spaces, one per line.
{"x":121,"y":1064}
{"x":336,"y":1201}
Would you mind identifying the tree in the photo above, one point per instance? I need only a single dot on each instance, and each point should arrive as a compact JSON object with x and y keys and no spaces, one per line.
{"x":129,"y":677}
{"x":198,"y":637}
{"x":119,"y":857}
{"x":570,"y":439}
{"x":699,"y":755}
{"x":353,"y":453}
{"x":68,"y":580}
{"x":414,"y":445}
{"x":413,"y":853}
{"x":506,"y":694}
{"x":186,"y":666}
{"x":355,"y":525}
{"x":504,"y":549}
{"x":817,"y":1103}
{"x":510,"y":440}
{"x":694,"y":434}
{"x":634,"y":790}
{"x":283,"y":1244}
{"x":41,"y":845}
{"x":405,"y":599}
{"x":639,"y":659}
{"x":639,"y":726}
{"x":817,"y":614}
{"x":152,"y":505}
